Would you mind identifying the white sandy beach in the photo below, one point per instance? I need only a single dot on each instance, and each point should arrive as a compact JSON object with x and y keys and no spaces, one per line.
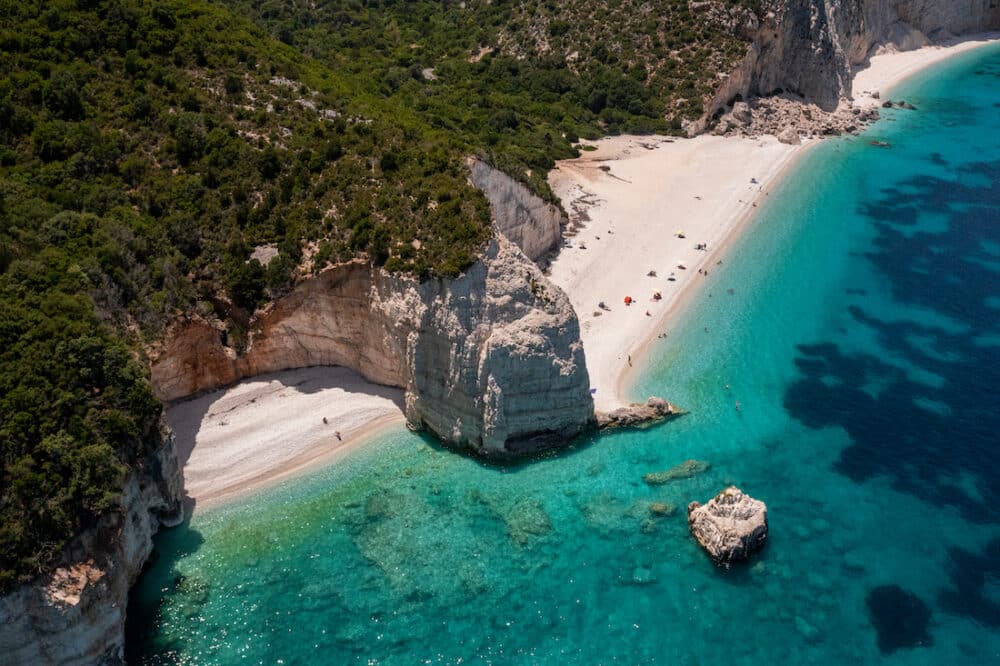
{"x":888,"y":69}
{"x":265,"y":429}
{"x":655,"y":190}
{"x":271,"y":426}
{"x":639,"y":192}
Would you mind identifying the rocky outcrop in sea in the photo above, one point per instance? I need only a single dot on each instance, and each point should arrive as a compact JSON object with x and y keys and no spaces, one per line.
{"x":730,"y":526}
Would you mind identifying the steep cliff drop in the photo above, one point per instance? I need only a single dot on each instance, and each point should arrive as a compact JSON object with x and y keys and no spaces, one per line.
{"x":807,"y":48}
{"x":490,"y":361}
{"x":76,"y":614}
{"x":529,"y":222}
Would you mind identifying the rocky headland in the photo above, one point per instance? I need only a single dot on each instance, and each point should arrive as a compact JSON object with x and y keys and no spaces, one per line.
{"x":76,"y":613}
{"x":796,"y":77}
{"x":490,"y":361}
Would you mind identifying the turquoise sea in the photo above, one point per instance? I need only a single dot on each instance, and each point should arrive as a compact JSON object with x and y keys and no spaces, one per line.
{"x":858,"y":325}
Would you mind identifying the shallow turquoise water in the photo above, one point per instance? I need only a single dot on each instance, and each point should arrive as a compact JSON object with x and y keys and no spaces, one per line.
{"x":861,"y":337}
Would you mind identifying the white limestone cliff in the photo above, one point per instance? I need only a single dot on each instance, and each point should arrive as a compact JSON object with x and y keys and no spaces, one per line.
{"x":527,"y":220}
{"x":808,"y":47}
{"x":490,"y":360}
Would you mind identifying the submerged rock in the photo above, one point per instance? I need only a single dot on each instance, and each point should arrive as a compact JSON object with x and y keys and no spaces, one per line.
{"x":685,"y":470}
{"x":642,"y":576}
{"x":526,"y":519}
{"x":638,"y":414}
{"x":609,"y":514}
{"x":730,"y":526}
{"x":900,"y":618}
{"x":662,"y":509}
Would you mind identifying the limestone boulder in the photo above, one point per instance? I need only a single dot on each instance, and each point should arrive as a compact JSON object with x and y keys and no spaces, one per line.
{"x":730,"y":526}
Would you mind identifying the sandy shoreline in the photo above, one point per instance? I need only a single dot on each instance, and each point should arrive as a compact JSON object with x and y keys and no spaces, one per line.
{"x":268,"y":428}
{"x":629,"y":199}
{"x":886,"y":70}
{"x":652,"y":203}
{"x":647,"y":189}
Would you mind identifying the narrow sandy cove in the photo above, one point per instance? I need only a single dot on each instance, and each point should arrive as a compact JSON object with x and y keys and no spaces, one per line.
{"x":650,"y":204}
{"x":266,"y":428}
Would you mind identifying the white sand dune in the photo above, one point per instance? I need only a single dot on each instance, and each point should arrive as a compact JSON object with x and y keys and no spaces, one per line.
{"x":271,"y":426}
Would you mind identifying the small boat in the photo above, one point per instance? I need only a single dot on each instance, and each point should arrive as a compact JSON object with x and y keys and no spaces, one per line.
{"x":879,"y":144}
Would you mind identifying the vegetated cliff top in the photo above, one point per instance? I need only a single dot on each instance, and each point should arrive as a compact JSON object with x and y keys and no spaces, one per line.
{"x":146,"y":149}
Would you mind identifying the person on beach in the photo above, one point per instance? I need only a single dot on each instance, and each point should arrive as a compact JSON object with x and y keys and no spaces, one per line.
{"x":337,"y":434}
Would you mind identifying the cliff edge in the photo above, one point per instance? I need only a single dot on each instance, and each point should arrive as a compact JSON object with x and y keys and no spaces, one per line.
{"x":807,"y":48}
{"x":76,"y":614}
{"x":490,"y":361}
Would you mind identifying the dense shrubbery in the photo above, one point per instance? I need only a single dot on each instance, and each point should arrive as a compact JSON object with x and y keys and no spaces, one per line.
{"x":554,"y":71}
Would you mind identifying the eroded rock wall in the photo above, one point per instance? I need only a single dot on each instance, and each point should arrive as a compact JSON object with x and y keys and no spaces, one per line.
{"x":76,"y":614}
{"x":528,"y":221}
{"x":491,"y":360}
{"x":808,"y":47}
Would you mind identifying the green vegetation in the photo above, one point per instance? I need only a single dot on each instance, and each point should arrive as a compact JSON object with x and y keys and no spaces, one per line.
{"x":520,"y":82}
{"x":147,"y":148}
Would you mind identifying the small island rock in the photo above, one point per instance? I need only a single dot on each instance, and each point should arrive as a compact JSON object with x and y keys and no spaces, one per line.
{"x":730,"y":526}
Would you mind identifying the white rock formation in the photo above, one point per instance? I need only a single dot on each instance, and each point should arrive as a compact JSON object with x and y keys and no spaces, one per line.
{"x":525,"y":219}
{"x":730,"y":526}
{"x":491,"y":360}
{"x":808,"y":47}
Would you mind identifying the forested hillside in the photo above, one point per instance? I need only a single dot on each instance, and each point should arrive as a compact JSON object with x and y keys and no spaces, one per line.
{"x":147,"y":149}
{"x":523,"y":81}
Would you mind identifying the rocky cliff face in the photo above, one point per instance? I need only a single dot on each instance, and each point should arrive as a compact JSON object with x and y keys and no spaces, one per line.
{"x":76,"y":614}
{"x":525,"y":219}
{"x":808,"y":47}
{"x":491,"y":360}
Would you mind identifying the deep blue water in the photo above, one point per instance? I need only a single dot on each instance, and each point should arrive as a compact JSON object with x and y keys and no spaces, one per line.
{"x":858,"y":325}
